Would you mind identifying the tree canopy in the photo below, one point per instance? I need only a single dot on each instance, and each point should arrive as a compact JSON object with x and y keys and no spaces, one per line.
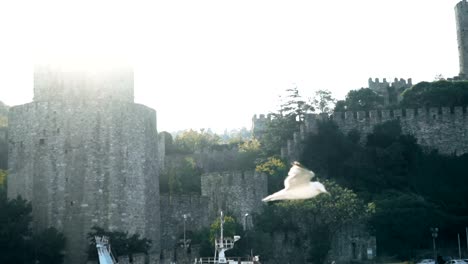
{"x":436,"y":94}
{"x":308,"y":225}
{"x":363,"y":99}
{"x":410,"y":187}
{"x":18,"y":244}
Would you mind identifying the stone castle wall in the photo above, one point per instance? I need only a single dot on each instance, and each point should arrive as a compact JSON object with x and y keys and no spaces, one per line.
{"x":3,"y":148}
{"x":353,"y":242}
{"x":85,"y":163}
{"x":444,"y":129}
{"x":234,"y":192}
{"x":173,"y":208}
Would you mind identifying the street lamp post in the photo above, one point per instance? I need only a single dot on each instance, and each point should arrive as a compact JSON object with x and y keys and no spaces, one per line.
{"x":245,"y":229}
{"x":434,"y":231}
{"x":245,"y":221}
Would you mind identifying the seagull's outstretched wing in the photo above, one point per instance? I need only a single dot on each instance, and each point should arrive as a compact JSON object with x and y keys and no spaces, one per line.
{"x":297,"y":175}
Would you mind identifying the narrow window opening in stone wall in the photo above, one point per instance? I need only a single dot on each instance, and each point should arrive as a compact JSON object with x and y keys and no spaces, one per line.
{"x":243,"y":176}
{"x":58,"y":130}
{"x":41,"y":141}
{"x":353,"y":251}
{"x":434,"y":116}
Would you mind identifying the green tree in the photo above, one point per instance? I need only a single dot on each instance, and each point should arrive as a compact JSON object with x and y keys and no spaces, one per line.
{"x":190,"y":141}
{"x":276,"y":170}
{"x":18,"y":244}
{"x":15,"y":231}
{"x":49,"y":246}
{"x":277,"y":132}
{"x":402,"y":221}
{"x":249,"y":152}
{"x":229,"y":228}
{"x":293,"y":105}
{"x":363,"y":99}
{"x":323,"y":101}
{"x":183,"y":178}
{"x":3,"y":178}
{"x":284,"y":122}
{"x":436,"y":94}
{"x":310,"y":223}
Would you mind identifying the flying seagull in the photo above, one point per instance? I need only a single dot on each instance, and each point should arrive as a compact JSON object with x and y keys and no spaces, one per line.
{"x":297,"y":186}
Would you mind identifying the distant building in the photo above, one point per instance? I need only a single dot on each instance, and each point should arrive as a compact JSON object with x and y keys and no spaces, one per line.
{"x":391,"y":92}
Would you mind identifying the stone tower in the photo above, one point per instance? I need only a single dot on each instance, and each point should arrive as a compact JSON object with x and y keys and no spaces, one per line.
{"x":86,"y":155}
{"x":461,"y":15}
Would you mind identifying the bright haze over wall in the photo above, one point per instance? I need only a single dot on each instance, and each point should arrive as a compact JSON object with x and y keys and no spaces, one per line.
{"x":213,"y":64}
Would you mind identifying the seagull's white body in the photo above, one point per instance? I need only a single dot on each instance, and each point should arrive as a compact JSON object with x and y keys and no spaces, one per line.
{"x":297,"y":186}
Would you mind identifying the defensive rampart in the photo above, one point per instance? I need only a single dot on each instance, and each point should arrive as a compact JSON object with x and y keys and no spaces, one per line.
{"x":234,"y":192}
{"x":441,"y":128}
{"x":444,"y":128}
{"x":173,"y":209}
{"x":86,"y":163}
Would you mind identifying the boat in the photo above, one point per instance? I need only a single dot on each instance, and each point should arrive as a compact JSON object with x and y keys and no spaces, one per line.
{"x":223,"y":244}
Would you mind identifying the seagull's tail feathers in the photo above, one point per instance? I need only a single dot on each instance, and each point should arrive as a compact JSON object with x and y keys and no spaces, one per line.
{"x":274,"y":197}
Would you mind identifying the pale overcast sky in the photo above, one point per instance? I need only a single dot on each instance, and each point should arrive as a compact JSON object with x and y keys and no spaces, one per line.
{"x":217,"y":63}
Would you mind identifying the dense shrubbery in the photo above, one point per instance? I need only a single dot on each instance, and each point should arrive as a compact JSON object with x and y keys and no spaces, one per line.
{"x":411,"y":188}
{"x":18,"y":244}
{"x":436,"y":94}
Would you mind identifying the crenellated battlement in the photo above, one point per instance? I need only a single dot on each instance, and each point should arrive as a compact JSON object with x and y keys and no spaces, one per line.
{"x":259,"y":124}
{"x":441,"y":128}
{"x":397,"y":83}
{"x":382,"y":115}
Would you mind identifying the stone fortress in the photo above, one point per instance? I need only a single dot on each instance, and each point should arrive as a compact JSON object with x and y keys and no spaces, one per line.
{"x":85,"y":154}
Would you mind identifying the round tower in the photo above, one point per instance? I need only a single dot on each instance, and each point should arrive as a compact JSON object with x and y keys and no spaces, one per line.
{"x":461,"y":15}
{"x":85,"y":155}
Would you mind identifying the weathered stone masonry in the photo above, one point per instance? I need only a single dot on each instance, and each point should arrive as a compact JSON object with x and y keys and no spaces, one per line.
{"x":85,"y":162}
{"x":444,"y":129}
{"x":234,"y":192}
{"x":173,"y":207}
